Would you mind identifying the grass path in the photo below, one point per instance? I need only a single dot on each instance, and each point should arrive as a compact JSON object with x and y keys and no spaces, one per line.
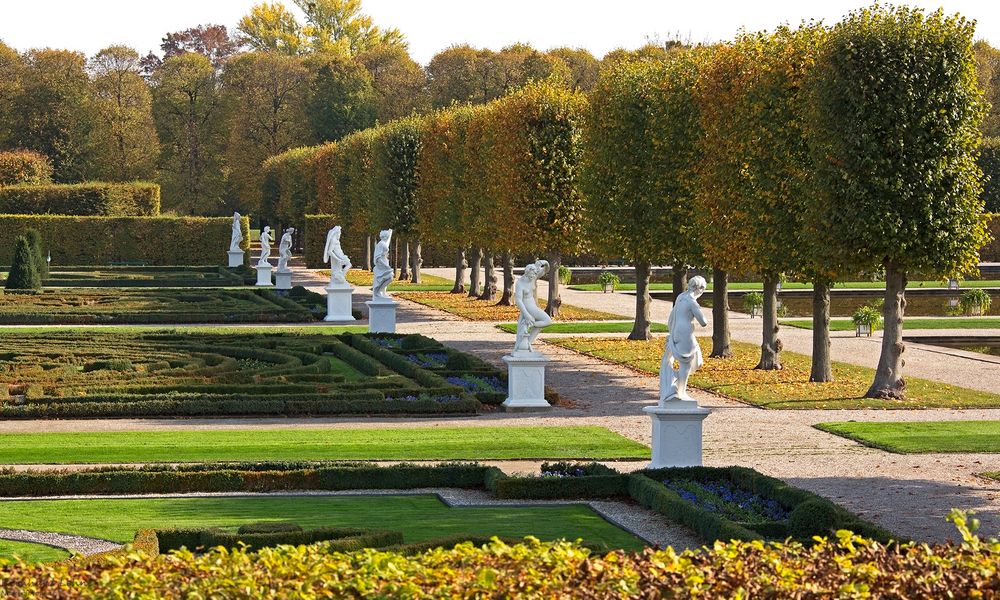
{"x":923,"y":436}
{"x":444,"y":443}
{"x":31,"y":552}
{"x":418,"y":517}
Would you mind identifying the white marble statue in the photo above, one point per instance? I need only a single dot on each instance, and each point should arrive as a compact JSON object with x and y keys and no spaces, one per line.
{"x":265,"y":247}
{"x":382,"y":270}
{"x":533,"y":319}
{"x":285,"y":250}
{"x":237,"y":236}
{"x":682,"y":346}
{"x":334,"y":254}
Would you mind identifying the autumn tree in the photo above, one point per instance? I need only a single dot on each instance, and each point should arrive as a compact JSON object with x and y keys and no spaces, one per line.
{"x":396,"y":150}
{"x":190,"y":120}
{"x":126,"y":143}
{"x":452,"y":77}
{"x":271,"y":27}
{"x":893,"y":123}
{"x":584,"y":69}
{"x":11,"y":69}
{"x":640,"y":151}
{"x":988,"y":72}
{"x":340,"y":97}
{"x":398,"y":82}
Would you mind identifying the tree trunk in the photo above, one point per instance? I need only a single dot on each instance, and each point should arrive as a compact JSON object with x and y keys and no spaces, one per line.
{"x":889,"y":382}
{"x":417,"y":261}
{"x":404,"y":262}
{"x":554,"y":300}
{"x":489,"y":277}
{"x":680,"y":275}
{"x":770,"y":345}
{"x":368,"y":253}
{"x":720,"y":315}
{"x":821,"y":369}
{"x":474,"y":264}
{"x":507,"y":299}
{"x":460,"y":266}
{"x":640,"y":329}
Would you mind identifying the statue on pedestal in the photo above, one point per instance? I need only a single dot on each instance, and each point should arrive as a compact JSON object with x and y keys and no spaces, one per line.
{"x":382,"y":270}
{"x":265,"y":247}
{"x":334,"y":254}
{"x":285,"y":250}
{"x":682,"y":345}
{"x":533,"y":319}
{"x":237,"y":236}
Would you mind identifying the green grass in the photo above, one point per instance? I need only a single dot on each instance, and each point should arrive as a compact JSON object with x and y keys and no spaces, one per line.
{"x":922,"y":437}
{"x":795,"y":285}
{"x":911,"y":323}
{"x":430,"y":443}
{"x":207,"y":329}
{"x":29,"y":552}
{"x":788,"y":388}
{"x":418,"y":517}
{"x":585,"y":327}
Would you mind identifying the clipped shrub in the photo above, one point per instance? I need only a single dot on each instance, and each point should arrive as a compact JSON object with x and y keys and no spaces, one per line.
{"x":460,"y":361}
{"x":38,"y":251}
{"x":23,"y":274}
{"x":812,"y":517}
{"x":419,"y":342}
{"x":92,"y":199}
{"x":24,"y":167}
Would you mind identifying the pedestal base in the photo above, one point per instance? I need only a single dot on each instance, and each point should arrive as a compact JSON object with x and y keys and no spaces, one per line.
{"x":677,"y":434}
{"x":339,"y":305}
{"x":235,"y":258}
{"x":283,"y":280}
{"x":526,"y":382}
{"x":382,"y":316}
{"x":263,"y":275}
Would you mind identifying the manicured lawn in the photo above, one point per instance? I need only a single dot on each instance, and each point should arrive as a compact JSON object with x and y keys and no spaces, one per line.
{"x":790,"y":387}
{"x":418,"y":517}
{"x":480,"y":310}
{"x":165,"y":276}
{"x":922,"y":437}
{"x":585,"y":327}
{"x":31,"y":552}
{"x":428,"y":283}
{"x":433,"y":443}
{"x":795,"y":285}
{"x":917,"y":323}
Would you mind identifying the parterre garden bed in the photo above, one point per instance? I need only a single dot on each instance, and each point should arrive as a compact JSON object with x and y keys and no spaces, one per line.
{"x":61,"y":374}
{"x":143,"y":276}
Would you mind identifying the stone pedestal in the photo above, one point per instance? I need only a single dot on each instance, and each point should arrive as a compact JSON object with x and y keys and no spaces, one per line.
{"x":676,"y":433}
{"x":339,"y":304}
{"x":263,"y":275}
{"x":382,"y":316}
{"x":235,"y":258}
{"x":283,"y":280}
{"x":526,"y":382}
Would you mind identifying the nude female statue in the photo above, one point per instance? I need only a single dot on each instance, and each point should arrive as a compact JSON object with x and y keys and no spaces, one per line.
{"x":285,"y":250}
{"x":265,"y":247}
{"x":682,"y":345}
{"x":533,"y":319}
{"x":334,"y":254}
{"x":382,"y":270}
{"x":237,"y":236}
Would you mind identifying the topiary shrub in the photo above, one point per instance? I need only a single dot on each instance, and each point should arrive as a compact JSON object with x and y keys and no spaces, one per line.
{"x":812,"y":517}
{"x":418,"y":342}
{"x":23,"y":273}
{"x":459,"y":361}
{"x":38,"y":250}
{"x":24,"y":167}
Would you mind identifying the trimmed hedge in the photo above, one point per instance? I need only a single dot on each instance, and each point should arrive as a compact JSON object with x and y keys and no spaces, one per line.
{"x":93,"y":199}
{"x":991,"y":251}
{"x":989,"y":162}
{"x":337,"y":539}
{"x":76,"y":240}
{"x":24,"y":167}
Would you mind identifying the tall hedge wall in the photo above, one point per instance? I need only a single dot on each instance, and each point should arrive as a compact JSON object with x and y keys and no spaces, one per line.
{"x":317,"y":226}
{"x":991,"y":252}
{"x":77,"y":240}
{"x":989,"y":162}
{"x":92,"y":199}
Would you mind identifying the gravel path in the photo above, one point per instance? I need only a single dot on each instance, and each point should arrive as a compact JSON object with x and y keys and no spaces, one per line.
{"x":76,"y":544}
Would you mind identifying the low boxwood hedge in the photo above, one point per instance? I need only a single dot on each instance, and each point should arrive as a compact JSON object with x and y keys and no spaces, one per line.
{"x":337,"y":539}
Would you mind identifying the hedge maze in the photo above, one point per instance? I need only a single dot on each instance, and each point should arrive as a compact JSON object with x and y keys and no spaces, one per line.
{"x":104,"y":374}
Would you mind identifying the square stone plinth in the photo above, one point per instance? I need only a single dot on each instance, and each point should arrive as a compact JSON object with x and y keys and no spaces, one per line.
{"x":283,"y":280}
{"x":264,"y":275}
{"x":526,"y":382}
{"x":235,"y":258}
{"x":339,"y":303}
{"x":382,"y":316}
{"x":677,"y":434}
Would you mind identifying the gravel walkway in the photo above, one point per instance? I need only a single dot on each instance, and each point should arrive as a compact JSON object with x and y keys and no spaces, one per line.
{"x":75,"y":544}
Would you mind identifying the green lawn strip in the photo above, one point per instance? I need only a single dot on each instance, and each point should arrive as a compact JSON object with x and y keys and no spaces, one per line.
{"x":926,"y":323}
{"x":788,"y":388}
{"x":794,"y":285}
{"x":29,"y":552}
{"x":587,"y":327}
{"x":922,"y":437}
{"x":420,"y":518}
{"x":992,"y":475}
{"x":427,"y":443}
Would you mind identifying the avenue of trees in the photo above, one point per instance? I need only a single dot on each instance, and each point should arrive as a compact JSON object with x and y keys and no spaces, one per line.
{"x":812,"y":152}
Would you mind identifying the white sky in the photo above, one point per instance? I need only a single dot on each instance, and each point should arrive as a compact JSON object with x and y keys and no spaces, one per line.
{"x":431,"y":25}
